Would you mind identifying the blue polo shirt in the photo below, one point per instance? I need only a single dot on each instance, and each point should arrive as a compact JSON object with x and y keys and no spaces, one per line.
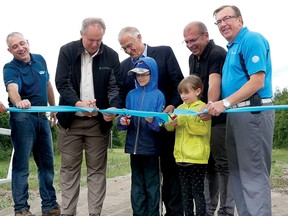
{"x":31,"y":79}
{"x":256,"y":54}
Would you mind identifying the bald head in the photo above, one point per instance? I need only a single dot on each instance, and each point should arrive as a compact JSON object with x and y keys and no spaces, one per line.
{"x":195,"y":25}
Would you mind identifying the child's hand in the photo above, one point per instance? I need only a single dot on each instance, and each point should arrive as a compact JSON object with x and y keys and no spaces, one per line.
{"x":149,"y":119}
{"x":125,"y":120}
{"x":173,"y":120}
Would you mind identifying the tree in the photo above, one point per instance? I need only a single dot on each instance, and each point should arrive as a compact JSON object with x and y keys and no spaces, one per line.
{"x":281,"y":125}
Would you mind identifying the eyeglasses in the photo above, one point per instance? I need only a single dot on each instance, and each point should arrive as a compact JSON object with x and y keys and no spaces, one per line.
{"x":142,"y":75}
{"x":192,"y":41}
{"x":225,"y":20}
{"x":128,"y":46}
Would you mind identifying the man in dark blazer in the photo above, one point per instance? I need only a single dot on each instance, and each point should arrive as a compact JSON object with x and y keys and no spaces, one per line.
{"x":170,"y":75}
{"x":86,"y":77}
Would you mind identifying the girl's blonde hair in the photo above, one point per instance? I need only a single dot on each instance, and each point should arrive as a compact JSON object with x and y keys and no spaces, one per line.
{"x":191,"y":82}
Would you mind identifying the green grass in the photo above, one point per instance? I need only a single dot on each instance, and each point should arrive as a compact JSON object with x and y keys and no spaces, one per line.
{"x":279,"y":170}
{"x":118,"y":165}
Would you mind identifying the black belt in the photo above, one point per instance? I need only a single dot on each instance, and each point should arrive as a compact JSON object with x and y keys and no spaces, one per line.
{"x":39,"y":114}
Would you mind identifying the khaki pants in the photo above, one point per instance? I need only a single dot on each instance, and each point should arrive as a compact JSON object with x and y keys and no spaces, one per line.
{"x":83,"y":135}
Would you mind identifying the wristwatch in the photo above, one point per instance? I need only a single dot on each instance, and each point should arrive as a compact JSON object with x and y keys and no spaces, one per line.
{"x":226,"y":104}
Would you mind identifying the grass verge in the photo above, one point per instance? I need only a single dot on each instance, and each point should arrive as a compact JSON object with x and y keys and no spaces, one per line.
{"x":118,"y":164}
{"x":279,"y":170}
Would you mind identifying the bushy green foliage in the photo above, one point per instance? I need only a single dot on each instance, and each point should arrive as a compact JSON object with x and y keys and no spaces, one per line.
{"x":281,"y":120}
{"x":118,"y":137}
{"x":5,"y":141}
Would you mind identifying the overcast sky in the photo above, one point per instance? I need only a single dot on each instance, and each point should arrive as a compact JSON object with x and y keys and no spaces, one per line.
{"x":50,"y":24}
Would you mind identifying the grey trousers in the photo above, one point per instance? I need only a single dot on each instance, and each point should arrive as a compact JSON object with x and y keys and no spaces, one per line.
{"x":83,"y":136}
{"x":249,"y":151}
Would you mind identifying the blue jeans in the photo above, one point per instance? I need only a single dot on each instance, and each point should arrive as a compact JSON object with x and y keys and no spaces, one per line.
{"x":32,"y":133}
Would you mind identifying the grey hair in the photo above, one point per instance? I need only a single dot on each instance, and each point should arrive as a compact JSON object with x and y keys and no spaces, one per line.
{"x":131,"y":31}
{"x":233,"y":7}
{"x":92,"y":21}
{"x":11,"y":35}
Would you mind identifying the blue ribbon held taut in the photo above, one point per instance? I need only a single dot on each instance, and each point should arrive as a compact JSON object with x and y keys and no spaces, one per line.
{"x":138,"y":113}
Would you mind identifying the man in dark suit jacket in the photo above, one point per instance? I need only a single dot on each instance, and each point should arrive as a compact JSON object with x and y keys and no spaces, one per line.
{"x":170,"y":75}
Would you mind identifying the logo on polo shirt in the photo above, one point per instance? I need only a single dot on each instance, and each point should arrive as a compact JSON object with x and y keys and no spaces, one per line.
{"x":255,"y":59}
{"x":41,"y":72}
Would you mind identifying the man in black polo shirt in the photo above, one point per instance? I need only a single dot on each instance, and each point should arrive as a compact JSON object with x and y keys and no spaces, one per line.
{"x":206,"y":61}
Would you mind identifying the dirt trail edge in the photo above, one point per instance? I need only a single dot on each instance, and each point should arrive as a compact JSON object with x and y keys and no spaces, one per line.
{"x":117,"y":201}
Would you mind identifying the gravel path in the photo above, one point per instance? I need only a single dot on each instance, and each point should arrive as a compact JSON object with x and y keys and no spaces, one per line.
{"x":117,"y":201}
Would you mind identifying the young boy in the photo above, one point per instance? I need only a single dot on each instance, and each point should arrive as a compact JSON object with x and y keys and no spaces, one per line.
{"x":142,"y":139}
{"x":192,"y":146}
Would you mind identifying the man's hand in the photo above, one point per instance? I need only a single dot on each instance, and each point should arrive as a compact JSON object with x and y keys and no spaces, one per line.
{"x":53,"y":119}
{"x":23,"y":104}
{"x":109,"y":117}
{"x":206,"y":116}
{"x":88,"y":104}
{"x":2,"y":108}
{"x":216,"y":108}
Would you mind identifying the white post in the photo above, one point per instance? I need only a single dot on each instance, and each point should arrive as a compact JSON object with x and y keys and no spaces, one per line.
{"x":111,"y":139}
{"x":4,"y":131}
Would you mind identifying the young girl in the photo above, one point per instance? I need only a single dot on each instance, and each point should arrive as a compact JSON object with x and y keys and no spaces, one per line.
{"x":142,"y":140}
{"x":192,"y":146}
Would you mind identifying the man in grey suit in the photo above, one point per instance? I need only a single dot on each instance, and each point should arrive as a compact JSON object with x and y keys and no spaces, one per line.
{"x":170,"y":75}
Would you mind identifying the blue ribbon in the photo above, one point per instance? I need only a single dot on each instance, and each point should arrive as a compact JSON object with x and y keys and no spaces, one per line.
{"x":233,"y":110}
{"x":51,"y":109}
{"x":163,"y":116}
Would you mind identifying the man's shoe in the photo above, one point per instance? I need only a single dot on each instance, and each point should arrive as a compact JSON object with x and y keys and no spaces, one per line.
{"x":94,"y":214}
{"x":25,"y":213}
{"x":53,"y":212}
{"x":66,"y":215}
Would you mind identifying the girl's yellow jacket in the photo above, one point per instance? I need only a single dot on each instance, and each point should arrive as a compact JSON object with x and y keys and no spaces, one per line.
{"x":192,"y":141}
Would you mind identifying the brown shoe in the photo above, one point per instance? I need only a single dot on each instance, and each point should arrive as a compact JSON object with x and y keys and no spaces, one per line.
{"x":25,"y":213}
{"x":53,"y":212}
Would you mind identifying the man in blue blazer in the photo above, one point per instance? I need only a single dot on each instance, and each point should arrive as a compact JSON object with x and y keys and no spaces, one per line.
{"x":169,"y":77}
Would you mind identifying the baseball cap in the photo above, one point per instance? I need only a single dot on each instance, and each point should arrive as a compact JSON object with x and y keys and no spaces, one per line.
{"x":140,"y":68}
